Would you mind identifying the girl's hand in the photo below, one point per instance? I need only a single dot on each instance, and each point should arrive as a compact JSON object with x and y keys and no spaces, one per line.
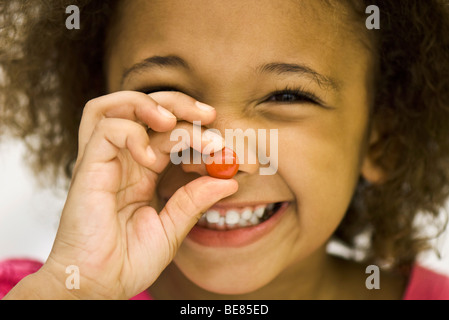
{"x":108,"y":229}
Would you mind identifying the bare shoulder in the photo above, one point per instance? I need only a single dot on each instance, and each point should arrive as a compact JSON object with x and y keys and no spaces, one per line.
{"x":368,"y":282}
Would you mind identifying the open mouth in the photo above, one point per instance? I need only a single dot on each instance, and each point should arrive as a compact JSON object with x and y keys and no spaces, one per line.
{"x":222,"y":219}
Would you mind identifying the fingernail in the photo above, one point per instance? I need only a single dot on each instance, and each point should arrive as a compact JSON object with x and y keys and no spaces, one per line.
{"x":204,"y":107}
{"x":165,"y":112}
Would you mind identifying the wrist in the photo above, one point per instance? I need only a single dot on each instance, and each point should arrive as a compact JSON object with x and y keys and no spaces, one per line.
{"x":40,"y":286}
{"x":52,"y":282}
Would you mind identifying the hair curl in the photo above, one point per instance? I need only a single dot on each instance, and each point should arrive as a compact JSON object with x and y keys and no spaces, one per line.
{"x":48,"y":73}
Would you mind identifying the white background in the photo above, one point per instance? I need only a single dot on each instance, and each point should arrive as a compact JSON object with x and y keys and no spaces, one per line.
{"x":29,"y":214}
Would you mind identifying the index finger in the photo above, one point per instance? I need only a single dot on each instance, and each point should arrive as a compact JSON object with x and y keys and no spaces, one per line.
{"x":184,"y":107}
{"x":143,"y":109}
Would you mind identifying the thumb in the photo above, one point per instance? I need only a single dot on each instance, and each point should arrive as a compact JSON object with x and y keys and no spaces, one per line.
{"x":185,"y":207}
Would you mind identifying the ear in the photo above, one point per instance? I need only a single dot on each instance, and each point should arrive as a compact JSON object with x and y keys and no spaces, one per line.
{"x":370,"y":171}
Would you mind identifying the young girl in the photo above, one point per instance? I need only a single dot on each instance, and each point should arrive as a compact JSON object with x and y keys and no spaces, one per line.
{"x":363,"y":145}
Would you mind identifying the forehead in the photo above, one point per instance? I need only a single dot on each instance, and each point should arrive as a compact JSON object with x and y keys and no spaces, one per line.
{"x":217,"y":34}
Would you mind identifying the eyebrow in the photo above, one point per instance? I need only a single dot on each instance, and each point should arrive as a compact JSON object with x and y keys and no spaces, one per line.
{"x":172,"y":61}
{"x":285,"y":68}
{"x":155,"y":62}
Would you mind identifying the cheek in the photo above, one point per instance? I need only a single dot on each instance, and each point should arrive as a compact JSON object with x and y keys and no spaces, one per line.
{"x":322,"y":170}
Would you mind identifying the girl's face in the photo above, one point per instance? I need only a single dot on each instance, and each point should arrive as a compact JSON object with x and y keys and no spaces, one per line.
{"x":300,"y":67}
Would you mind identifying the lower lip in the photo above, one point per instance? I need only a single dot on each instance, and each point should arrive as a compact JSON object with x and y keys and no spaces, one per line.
{"x":238,"y":237}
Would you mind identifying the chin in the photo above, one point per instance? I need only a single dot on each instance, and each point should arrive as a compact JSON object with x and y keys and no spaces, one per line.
{"x":234,"y":260}
{"x":227,"y":282}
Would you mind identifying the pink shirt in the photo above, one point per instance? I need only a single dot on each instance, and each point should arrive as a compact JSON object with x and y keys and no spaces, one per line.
{"x":424,"y":284}
{"x":12,"y":271}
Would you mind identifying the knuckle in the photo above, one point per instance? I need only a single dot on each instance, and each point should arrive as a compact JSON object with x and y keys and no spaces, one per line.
{"x":142,"y":130}
{"x":186,"y":203}
{"x":190,"y":198}
{"x":178,"y":95}
{"x":172,"y":96}
{"x":90,"y":107}
{"x":184,"y":97}
{"x":102,"y":125}
{"x":170,"y":227}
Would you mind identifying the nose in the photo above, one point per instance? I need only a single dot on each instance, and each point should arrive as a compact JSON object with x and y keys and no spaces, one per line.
{"x":248,"y":162}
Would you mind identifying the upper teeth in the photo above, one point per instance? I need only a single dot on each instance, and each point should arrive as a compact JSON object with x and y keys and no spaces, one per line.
{"x":212,"y":216}
{"x":230,"y":218}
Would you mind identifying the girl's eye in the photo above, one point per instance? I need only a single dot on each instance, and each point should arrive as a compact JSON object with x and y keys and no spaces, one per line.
{"x":292,"y":96}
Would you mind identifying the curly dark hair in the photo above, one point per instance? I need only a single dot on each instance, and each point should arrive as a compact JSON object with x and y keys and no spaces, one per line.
{"x":48,"y":73}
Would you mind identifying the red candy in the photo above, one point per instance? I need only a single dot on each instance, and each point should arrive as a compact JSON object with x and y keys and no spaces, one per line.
{"x":223,"y":164}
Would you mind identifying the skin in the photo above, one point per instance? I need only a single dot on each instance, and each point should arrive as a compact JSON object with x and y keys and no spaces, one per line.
{"x":135,"y":235}
{"x":327,"y":144}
